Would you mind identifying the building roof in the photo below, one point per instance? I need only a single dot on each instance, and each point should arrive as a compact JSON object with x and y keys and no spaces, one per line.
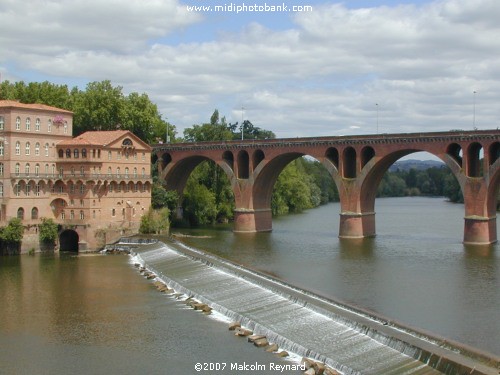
{"x":32,"y":106}
{"x":99,"y":138}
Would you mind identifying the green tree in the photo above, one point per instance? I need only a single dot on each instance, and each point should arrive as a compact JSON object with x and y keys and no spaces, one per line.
{"x":11,"y":236}
{"x":47,"y":231}
{"x":155,"y":221}
{"x":199,"y":204}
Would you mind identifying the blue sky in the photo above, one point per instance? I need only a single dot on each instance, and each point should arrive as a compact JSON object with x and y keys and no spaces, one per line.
{"x":323,"y":72}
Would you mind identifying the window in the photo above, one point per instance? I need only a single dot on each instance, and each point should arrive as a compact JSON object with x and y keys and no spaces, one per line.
{"x":143,"y":172}
{"x":110,"y":187}
{"x":37,"y":125}
{"x":143,"y":156}
{"x":71,"y":188}
{"x":61,"y":172}
{"x":47,"y":149}
{"x":37,"y":189}
{"x":17,"y":190}
{"x":82,"y":171}
{"x":53,"y":168}
{"x":17,"y":169}
{"x":27,"y":189}
{"x":37,"y":170}
{"x":82,"y":189}
{"x":46,"y":169}
{"x":27,"y":169}
{"x":82,"y":215}
{"x":126,"y":172}
{"x":68,"y":153}
{"x":72,"y":214}
{"x":61,"y":153}
{"x":81,"y":202}
{"x":18,"y":123}
{"x":65,"y":127}
{"x":2,"y":123}
{"x":135,"y":172}
{"x":1,"y":148}
{"x":63,"y":215}
{"x":28,"y":148}
{"x":75,"y":153}
{"x":28,"y":124}
{"x":84,"y":153}
{"x":37,"y":149}
{"x":18,"y":148}
{"x":119,"y":188}
{"x":72,"y":171}
{"x":1,"y":169}
{"x":110,"y":173}
{"x":1,"y":189}
{"x":118,"y":172}
{"x":109,"y":155}
{"x":49,"y":126}
{"x":136,"y":188}
{"x":34,"y":213}
{"x":113,"y":212}
{"x":20,"y":213}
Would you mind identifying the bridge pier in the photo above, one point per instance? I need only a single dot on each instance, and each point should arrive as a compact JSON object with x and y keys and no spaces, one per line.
{"x":252,"y":220}
{"x":357,"y":225}
{"x":480,"y":230}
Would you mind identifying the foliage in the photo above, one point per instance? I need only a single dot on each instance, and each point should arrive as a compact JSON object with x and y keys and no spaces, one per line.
{"x":101,"y":106}
{"x":13,"y":232}
{"x":199,"y":204}
{"x":47,"y":231}
{"x":155,"y":221}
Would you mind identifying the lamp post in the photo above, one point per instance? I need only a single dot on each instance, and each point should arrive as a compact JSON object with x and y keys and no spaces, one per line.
{"x":474,"y":110}
{"x":168,"y":137}
{"x":242,"y":125}
{"x":377,"y":116}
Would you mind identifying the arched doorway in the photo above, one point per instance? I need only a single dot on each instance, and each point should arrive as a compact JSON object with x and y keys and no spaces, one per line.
{"x":68,"y":240}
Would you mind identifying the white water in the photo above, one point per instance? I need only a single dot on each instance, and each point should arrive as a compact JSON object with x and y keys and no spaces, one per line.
{"x":290,"y":324}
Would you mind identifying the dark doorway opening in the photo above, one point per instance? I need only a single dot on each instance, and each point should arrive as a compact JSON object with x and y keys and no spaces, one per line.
{"x":68,"y":240}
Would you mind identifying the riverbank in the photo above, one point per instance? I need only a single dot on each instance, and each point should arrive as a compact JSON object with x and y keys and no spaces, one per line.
{"x":252,"y":299}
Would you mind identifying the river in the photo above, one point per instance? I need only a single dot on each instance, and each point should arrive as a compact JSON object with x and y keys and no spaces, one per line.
{"x":416,"y":270}
{"x":94,"y":314}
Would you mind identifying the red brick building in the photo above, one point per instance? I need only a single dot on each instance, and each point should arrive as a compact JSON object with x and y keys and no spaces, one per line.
{"x":96,"y":186}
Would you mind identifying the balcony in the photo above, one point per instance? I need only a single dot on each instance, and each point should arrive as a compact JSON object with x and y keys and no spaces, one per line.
{"x":78,"y":176}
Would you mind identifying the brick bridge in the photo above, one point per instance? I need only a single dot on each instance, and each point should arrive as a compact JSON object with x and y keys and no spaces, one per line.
{"x":356,"y":164}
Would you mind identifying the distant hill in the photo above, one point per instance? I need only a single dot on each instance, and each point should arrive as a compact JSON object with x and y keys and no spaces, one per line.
{"x":406,"y":165}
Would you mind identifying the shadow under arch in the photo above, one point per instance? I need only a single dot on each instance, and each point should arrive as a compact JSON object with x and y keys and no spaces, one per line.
{"x":68,"y":240}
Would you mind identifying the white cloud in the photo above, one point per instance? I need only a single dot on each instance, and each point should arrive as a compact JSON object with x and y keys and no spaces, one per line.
{"x":321,"y":77}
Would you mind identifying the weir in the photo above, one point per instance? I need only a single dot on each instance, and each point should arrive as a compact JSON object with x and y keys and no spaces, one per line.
{"x":348,"y":339}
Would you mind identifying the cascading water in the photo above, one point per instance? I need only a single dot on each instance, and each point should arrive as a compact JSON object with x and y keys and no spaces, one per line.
{"x":344,"y":339}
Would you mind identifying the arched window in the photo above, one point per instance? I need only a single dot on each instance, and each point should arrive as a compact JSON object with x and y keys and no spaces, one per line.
{"x":75,"y":153}
{"x":37,"y":189}
{"x":47,"y":149}
{"x":1,"y":169}
{"x":1,"y":189}
{"x":49,"y":126}
{"x":28,"y":124}
{"x":72,"y":215}
{"x":1,"y":148}
{"x":20,"y":213}
{"x":37,"y":149}
{"x":18,"y":123}
{"x":84,"y":152}
{"x":68,"y":153}
{"x":109,"y":172}
{"x":143,"y":172}
{"x":82,"y":171}
{"x":34,"y":213}
{"x":27,"y":169}
{"x":109,"y":155}
{"x":82,"y":215}
{"x":61,"y":153}
{"x":2,"y":123}
{"x":126,"y":172}
{"x":135,"y":172}
{"x":37,"y":170}
{"x":61,"y":172}
{"x":28,"y":148}
{"x":17,"y":169}
{"x":18,"y":148}
{"x":72,"y":171}
{"x":117,"y":171}
{"x":65,"y":127}
{"x":37,"y":125}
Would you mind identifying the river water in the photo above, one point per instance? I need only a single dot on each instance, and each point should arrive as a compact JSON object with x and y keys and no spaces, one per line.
{"x":416,"y":270}
{"x":94,"y":314}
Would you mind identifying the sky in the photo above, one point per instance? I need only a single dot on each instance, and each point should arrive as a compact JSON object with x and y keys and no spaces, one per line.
{"x":329,"y":68}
